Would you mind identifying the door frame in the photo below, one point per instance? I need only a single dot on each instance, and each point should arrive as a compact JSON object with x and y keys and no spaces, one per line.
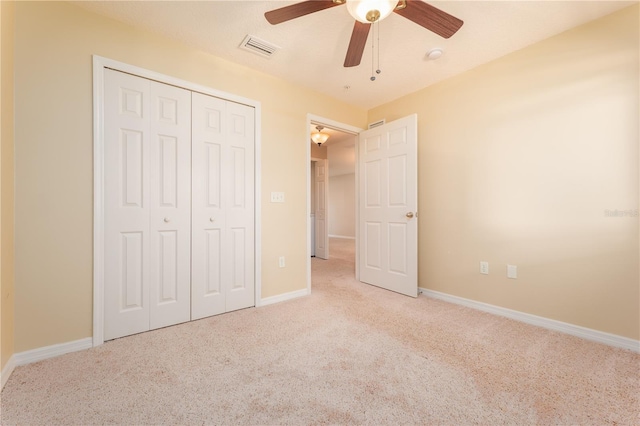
{"x":313,"y":120}
{"x":99,"y":64}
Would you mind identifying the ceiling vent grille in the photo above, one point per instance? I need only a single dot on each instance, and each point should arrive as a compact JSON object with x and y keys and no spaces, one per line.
{"x":376,"y":124}
{"x":258,"y":46}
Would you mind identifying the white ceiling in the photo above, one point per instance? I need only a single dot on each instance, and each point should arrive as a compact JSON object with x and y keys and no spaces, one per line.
{"x":313,"y":46}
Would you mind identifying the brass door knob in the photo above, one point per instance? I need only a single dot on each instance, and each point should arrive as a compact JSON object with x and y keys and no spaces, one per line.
{"x":409,"y":215}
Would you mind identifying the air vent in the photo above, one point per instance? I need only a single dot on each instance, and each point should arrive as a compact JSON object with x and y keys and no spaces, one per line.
{"x":258,"y":46}
{"x":376,"y":124}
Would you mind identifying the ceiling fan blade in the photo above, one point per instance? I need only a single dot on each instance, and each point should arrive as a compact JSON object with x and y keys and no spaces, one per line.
{"x":297,"y":10}
{"x":357,"y":43}
{"x":431,"y":18}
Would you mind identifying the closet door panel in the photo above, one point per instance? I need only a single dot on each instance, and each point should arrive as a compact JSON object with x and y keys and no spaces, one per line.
{"x":240,"y":293}
{"x":170,"y":210}
{"x":208,"y":234}
{"x":127,"y":208}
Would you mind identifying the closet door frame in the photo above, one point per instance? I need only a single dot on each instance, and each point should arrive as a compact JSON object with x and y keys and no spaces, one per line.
{"x":99,"y":65}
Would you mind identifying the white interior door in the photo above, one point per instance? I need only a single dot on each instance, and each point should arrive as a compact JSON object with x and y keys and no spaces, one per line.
{"x":147,"y":223}
{"x":222,"y":206}
{"x":321,"y":206}
{"x":387,"y":164}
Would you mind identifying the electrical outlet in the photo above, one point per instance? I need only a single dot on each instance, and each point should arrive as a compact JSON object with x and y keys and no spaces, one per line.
{"x":281,"y":261}
{"x":512,"y":271}
{"x":277,"y":197}
{"x":484,"y":268}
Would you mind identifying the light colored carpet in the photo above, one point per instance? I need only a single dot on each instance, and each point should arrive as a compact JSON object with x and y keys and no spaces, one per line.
{"x":348,"y":354}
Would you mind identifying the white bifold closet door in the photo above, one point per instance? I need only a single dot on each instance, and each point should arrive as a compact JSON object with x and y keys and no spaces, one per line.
{"x":179,"y":205}
{"x":147,"y":204}
{"x":223,"y":206}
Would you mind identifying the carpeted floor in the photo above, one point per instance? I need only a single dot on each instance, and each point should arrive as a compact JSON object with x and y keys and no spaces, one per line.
{"x":348,"y":354}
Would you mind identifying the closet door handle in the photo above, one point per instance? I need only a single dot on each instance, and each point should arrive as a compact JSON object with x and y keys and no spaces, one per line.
{"x":167,"y":220}
{"x":212,"y":219}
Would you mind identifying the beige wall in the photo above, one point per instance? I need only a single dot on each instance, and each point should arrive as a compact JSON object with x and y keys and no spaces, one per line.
{"x":6,"y":184}
{"x":53,"y":80}
{"x":342,"y":205}
{"x":518,"y":161}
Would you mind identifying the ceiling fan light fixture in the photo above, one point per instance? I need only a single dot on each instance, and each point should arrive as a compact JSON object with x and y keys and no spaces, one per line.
{"x":319,"y":137}
{"x":369,"y":11}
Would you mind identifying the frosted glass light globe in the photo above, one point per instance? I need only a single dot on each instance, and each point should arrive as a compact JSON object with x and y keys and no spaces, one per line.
{"x":359,"y":9}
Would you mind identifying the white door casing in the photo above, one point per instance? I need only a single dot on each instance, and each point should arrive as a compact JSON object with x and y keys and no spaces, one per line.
{"x":388,"y":203}
{"x":321,"y":205}
{"x":223,"y":206}
{"x":147,"y":225}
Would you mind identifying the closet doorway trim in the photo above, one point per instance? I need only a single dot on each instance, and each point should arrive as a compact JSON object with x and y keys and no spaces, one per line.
{"x":99,"y":65}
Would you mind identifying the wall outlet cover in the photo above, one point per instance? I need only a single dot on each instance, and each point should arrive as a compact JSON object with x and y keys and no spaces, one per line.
{"x":512,"y":271}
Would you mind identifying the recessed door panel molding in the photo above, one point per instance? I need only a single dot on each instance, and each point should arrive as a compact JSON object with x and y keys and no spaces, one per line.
{"x":397,"y":237}
{"x":238,"y":126}
{"x":238,"y":267}
{"x":238,"y":176}
{"x":372,"y":183}
{"x":213,"y":118}
{"x":131,"y":161}
{"x":212,"y":269}
{"x":372,"y":143}
{"x":212,"y":169}
{"x":397,"y":137}
{"x":131,"y":101}
{"x":397,"y":191}
{"x":387,"y":159}
{"x":168,"y":173}
{"x":167,"y":110}
{"x":168,"y":265}
{"x":131,"y":287}
{"x":373,"y":242}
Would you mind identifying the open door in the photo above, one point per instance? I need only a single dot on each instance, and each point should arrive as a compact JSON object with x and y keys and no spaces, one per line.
{"x":321,"y":201}
{"x":388,"y":203}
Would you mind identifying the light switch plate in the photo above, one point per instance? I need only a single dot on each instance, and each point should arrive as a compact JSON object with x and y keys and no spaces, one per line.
{"x":512,"y":271}
{"x":484,"y":268}
{"x":277,"y":197}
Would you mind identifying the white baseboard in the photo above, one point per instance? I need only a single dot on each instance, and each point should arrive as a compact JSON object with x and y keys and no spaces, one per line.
{"x":39,"y":354}
{"x":284,"y":297}
{"x":562,"y":327}
{"x":35,"y":355}
{"x":7,"y":370}
{"x":342,"y":236}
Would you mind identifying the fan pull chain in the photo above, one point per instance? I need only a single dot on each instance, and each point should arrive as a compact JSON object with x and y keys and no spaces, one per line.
{"x":373,"y":51}
{"x":374,"y":36}
{"x":378,"y":70}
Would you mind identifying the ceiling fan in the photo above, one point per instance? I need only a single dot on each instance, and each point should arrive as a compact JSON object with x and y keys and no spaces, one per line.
{"x":367,"y":12}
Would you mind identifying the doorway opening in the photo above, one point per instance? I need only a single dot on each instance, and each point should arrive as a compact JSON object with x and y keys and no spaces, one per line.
{"x":337,"y":189}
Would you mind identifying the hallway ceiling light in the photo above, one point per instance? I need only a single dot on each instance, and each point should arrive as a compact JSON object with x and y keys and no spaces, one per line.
{"x":319,"y":137}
